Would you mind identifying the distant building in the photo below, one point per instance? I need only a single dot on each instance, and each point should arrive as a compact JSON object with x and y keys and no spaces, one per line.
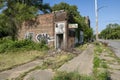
{"x":87,"y":20}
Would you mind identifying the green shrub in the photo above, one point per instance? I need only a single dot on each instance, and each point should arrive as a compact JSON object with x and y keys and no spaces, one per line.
{"x":71,"y":76}
{"x":66,"y":76}
{"x":104,"y":64}
{"x":101,"y":74}
{"x":96,"y":62}
{"x":98,"y":49}
{"x":86,"y":77}
{"x":5,"y":39}
{"x":7,"y":45}
{"x":99,"y":65}
{"x":22,"y":43}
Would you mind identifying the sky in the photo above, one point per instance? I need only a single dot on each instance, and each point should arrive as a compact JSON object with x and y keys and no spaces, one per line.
{"x":110,"y":13}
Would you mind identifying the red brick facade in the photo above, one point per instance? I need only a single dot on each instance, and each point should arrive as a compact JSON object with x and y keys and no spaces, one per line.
{"x":45,"y":25}
{"x":53,"y":28}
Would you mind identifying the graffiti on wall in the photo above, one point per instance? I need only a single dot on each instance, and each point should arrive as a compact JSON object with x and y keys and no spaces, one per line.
{"x":39,"y":37}
{"x":42,"y":36}
{"x":45,"y":37}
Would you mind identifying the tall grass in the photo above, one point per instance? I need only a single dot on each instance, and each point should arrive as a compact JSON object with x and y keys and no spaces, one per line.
{"x":96,"y":62}
{"x":57,"y":61}
{"x":13,"y":59}
{"x":99,"y":65}
{"x":102,"y":75}
{"x":71,"y":76}
{"x":8,"y":45}
{"x":14,"y":53}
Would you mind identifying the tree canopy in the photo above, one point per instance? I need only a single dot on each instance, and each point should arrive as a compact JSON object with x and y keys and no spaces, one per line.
{"x":70,"y":9}
{"x":112,"y":31}
{"x":15,"y":12}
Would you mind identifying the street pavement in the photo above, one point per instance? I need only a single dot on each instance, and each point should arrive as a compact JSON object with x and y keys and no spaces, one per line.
{"x":114,"y":44}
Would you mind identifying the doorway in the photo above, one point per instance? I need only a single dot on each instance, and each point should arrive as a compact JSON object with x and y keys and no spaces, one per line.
{"x":59,"y":41}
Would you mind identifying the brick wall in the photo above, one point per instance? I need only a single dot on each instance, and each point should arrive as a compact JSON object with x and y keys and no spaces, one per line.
{"x":60,"y":16}
{"x":42,"y":24}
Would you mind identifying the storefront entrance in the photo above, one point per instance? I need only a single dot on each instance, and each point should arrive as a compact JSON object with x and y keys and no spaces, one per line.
{"x":59,"y":41}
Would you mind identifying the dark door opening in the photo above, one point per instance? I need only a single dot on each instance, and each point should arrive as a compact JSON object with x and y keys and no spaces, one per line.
{"x":59,"y":41}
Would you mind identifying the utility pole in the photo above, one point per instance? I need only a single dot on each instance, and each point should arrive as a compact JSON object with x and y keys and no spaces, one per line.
{"x":96,"y":14}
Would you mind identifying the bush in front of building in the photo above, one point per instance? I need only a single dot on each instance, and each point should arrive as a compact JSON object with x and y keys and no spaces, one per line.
{"x":7,"y":45}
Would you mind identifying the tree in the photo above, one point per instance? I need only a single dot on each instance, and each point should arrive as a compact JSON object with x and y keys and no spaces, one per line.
{"x":18,"y":11}
{"x":70,"y":9}
{"x":111,"y":31}
{"x":15,"y":14}
{"x":45,"y":8}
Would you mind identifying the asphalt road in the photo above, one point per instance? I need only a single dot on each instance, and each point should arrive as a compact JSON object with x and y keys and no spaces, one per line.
{"x":115,"y":45}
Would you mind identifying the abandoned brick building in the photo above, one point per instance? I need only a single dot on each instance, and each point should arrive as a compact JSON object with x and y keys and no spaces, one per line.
{"x":53,"y":28}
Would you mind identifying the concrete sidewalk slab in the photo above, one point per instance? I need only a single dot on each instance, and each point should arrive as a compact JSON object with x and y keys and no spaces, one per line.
{"x":82,"y":63}
{"x":46,"y":74}
{"x":15,"y":72}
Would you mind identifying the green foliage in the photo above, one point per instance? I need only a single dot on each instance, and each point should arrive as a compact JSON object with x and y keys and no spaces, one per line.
{"x":88,"y":32}
{"x":75,"y":17}
{"x":7,"y":45}
{"x":16,"y":12}
{"x":57,"y":61}
{"x":98,"y":49}
{"x":12,"y":18}
{"x":101,"y":74}
{"x":44,"y":7}
{"x":96,"y":62}
{"x":4,"y":29}
{"x":1,"y":4}
{"x":104,"y":64}
{"x":66,"y":76}
{"x":112,"y":31}
{"x":24,"y":12}
{"x":99,"y":65}
{"x":70,"y":9}
{"x":71,"y":76}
